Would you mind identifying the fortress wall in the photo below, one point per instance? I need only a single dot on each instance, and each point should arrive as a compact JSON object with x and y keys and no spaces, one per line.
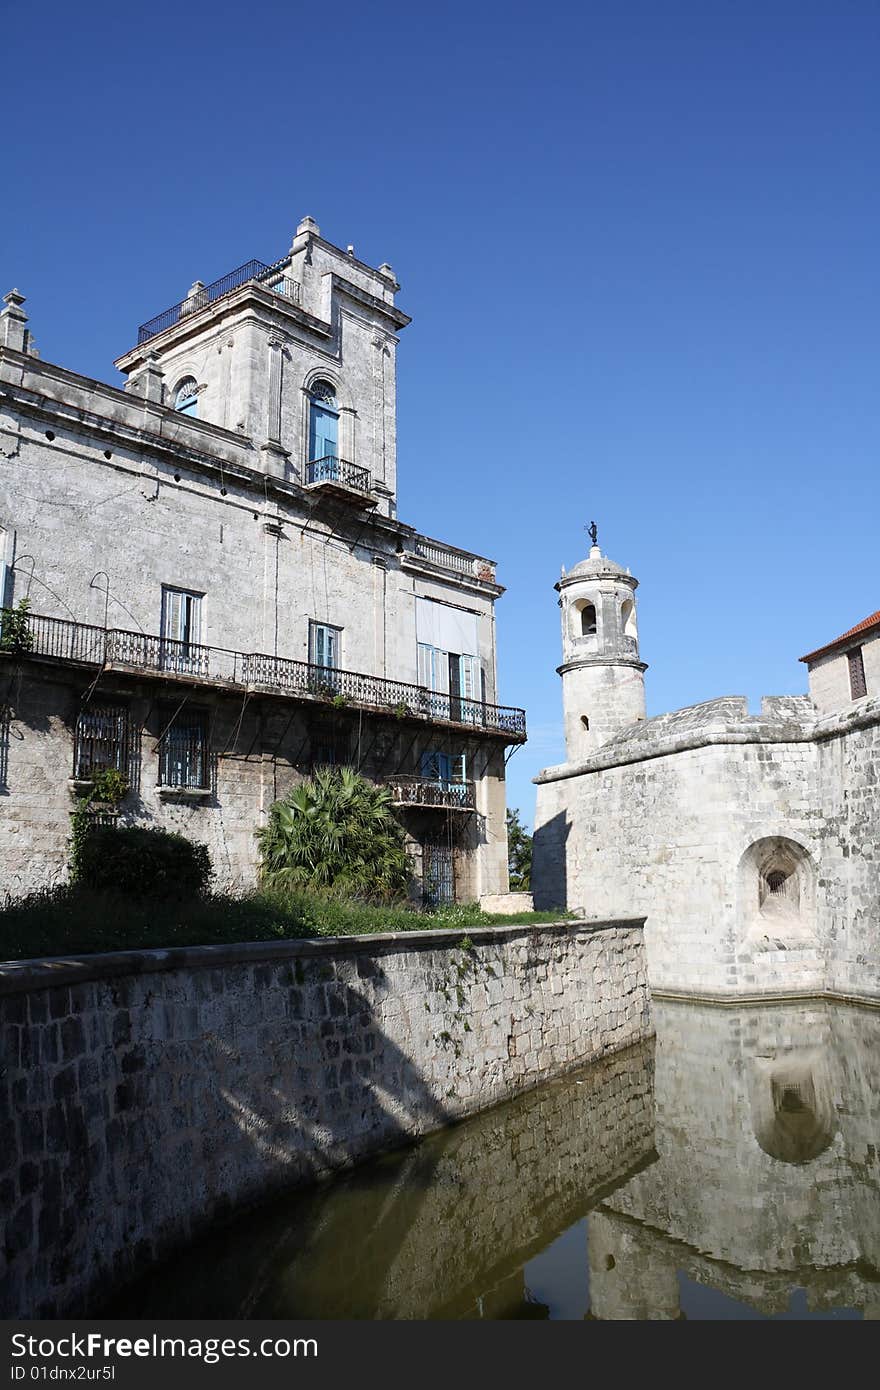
{"x":149,"y":1093}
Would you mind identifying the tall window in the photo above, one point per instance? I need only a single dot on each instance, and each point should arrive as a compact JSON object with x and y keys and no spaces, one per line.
{"x":182,"y":631}
{"x":183,"y":752}
{"x":186,"y":398}
{"x":323,"y":422}
{"x":324,"y":645}
{"x":100,"y":740}
{"x":857,"y":683}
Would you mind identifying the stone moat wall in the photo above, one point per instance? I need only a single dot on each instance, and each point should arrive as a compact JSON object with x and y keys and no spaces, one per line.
{"x":145,"y":1095}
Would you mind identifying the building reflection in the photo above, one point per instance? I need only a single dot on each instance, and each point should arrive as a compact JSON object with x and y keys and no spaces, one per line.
{"x":767,"y":1177}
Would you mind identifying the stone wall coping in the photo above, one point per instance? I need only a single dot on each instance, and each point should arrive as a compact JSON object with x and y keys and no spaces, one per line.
{"x":756,"y":731}
{"x":21,"y":976}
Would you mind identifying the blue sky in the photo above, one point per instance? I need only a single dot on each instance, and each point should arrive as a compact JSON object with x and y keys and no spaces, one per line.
{"x":638,"y":241}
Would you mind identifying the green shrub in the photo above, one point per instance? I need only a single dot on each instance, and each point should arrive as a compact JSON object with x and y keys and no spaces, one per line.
{"x":110,"y":785}
{"x":336,"y":831}
{"x":141,"y":862}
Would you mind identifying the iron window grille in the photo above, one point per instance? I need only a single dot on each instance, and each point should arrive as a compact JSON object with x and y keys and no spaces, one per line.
{"x":183,"y":752}
{"x":101,"y":741}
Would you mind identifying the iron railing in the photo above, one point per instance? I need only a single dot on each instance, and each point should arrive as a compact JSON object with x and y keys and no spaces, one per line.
{"x":331,"y":469}
{"x":208,"y":294}
{"x":65,"y":640}
{"x":146,"y":652}
{"x":421,"y":791}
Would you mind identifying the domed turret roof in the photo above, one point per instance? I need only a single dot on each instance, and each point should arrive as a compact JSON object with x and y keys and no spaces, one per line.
{"x":596,"y":566}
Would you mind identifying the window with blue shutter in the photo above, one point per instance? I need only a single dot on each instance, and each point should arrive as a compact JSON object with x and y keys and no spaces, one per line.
{"x":324,"y":645}
{"x":182,"y":632}
{"x":323,"y":424}
{"x":186,"y":398}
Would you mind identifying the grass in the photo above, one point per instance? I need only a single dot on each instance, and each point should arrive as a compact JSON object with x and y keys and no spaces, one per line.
{"x":78,"y":921}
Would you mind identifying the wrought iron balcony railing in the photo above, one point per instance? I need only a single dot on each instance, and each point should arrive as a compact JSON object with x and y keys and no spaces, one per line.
{"x":64,"y":640}
{"x":420,"y":791}
{"x":331,"y":469}
{"x":270,"y":276}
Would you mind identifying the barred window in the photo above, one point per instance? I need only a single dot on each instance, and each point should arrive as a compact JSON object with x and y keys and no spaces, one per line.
{"x":101,"y":740}
{"x":183,"y":752}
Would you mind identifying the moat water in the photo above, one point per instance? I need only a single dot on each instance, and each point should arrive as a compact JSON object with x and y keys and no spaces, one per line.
{"x":731,"y":1171}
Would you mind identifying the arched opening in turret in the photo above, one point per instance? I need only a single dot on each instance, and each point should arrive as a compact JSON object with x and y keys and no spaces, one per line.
{"x":583,"y":620}
{"x":628,"y":618}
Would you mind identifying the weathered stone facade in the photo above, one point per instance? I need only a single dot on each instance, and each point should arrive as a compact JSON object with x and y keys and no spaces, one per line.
{"x":750,"y":842}
{"x":150,"y":1093}
{"x":197,"y":574}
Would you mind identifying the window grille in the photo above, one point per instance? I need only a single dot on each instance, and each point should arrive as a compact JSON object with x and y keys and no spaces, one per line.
{"x":100,"y":741}
{"x":183,"y":753}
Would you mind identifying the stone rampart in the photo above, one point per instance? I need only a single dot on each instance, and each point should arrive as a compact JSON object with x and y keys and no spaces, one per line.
{"x":145,"y":1095}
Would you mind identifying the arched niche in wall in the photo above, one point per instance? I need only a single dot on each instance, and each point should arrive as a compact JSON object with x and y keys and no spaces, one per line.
{"x":628,"y":619}
{"x":777,"y":892}
{"x":793,"y":1115}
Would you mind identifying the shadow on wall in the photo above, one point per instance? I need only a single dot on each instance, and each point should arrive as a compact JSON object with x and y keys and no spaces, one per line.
{"x":196,"y":1098}
{"x":440,"y":1231}
{"x":549,"y":863}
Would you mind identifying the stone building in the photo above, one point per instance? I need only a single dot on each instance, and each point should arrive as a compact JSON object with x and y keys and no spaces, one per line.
{"x":749,"y":841}
{"x":221,"y":595}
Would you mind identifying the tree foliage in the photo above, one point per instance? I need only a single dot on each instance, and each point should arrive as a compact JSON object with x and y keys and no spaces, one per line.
{"x":336,"y":831}
{"x":519,"y":853}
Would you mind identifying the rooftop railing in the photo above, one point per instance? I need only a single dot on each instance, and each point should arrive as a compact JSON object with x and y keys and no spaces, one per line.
{"x":64,"y":640}
{"x":447,"y":557}
{"x":269,"y":276}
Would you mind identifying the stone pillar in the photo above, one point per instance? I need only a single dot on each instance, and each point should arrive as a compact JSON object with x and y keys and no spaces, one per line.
{"x":13,"y":322}
{"x":148,"y":380}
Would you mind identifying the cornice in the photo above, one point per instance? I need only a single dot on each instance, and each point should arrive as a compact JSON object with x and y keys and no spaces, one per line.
{"x":578,"y":663}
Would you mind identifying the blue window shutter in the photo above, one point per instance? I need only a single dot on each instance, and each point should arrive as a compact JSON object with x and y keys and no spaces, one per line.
{"x":323,"y":432}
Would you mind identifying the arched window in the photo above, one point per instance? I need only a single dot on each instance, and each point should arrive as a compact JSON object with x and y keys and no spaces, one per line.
{"x":588,"y":620}
{"x":628,"y":618}
{"x":186,"y":396}
{"x":323,"y":422}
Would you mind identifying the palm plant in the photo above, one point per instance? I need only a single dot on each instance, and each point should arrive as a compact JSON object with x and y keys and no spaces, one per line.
{"x":335,"y":831}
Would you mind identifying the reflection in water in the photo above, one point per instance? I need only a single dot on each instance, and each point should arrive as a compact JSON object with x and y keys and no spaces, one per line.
{"x":760,"y":1200}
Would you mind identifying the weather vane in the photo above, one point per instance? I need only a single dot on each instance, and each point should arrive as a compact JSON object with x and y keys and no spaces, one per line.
{"x":593,"y":532}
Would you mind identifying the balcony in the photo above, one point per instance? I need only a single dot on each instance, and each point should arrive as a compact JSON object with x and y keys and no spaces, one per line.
{"x":337,"y":477}
{"x":419,"y":792}
{"x":141,"y":653}
{"x":267,"y":276}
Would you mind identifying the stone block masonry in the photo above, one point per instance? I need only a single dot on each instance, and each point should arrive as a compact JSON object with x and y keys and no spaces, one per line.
{"x":146,"y":1095}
